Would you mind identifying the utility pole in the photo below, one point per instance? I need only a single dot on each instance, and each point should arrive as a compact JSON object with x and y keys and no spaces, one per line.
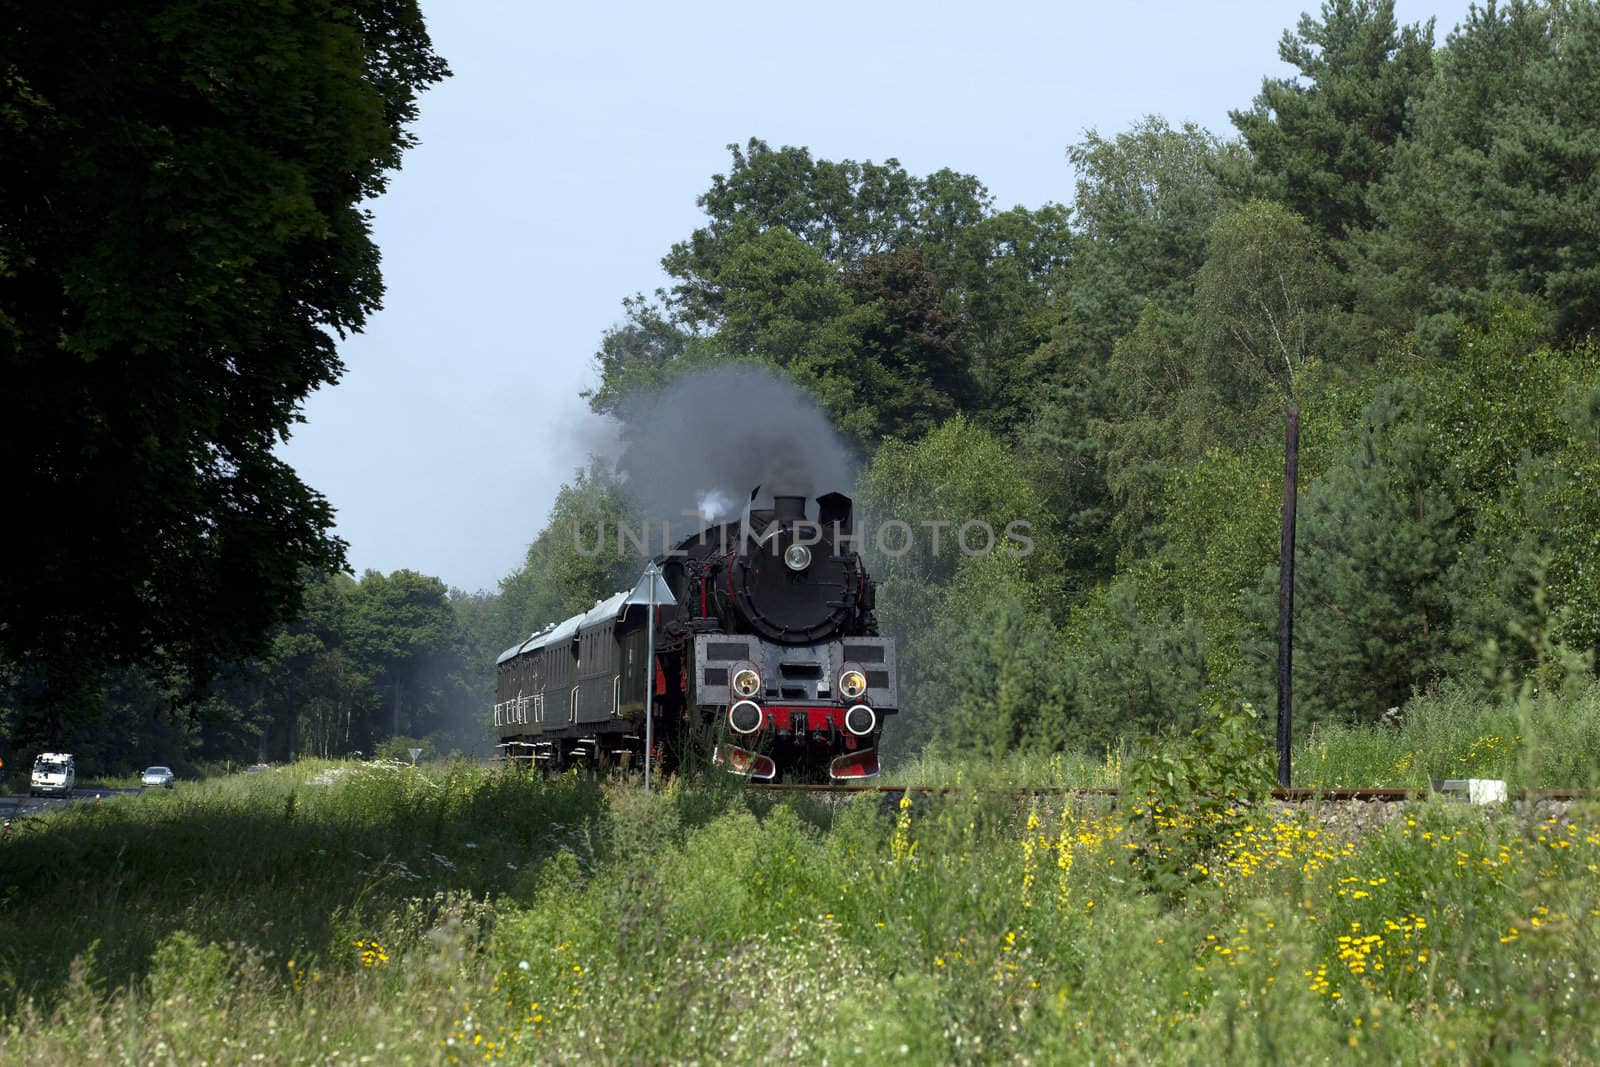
{"x":1291,"y":477}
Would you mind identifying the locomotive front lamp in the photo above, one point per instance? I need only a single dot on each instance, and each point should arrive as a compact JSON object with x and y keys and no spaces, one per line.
{"x":746,"y":682}
{"x":797,"y":557}
{"x":745,"y":717}
{"x":860,"y":720}
{"x":852,"y":684}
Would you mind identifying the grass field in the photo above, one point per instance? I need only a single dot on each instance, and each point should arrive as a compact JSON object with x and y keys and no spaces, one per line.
{"x":371,"y":913}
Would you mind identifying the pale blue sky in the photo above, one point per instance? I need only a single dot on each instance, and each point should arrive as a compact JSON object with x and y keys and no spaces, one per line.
{"x":564,"y":158}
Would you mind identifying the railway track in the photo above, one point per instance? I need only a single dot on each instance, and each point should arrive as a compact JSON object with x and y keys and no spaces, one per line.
{"x":1291,"y":794}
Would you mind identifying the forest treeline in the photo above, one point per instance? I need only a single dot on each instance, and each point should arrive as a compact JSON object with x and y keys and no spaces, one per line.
{"x":1399,"y":241}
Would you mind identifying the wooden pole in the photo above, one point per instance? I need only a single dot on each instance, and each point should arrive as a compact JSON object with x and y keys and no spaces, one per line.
{"x":1291,"y":474}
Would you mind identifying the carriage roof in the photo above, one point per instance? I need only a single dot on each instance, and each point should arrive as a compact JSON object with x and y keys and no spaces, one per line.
{"x":606,"y":610}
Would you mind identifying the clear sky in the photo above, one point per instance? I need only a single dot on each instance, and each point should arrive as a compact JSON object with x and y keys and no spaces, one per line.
{"x":564,"y":158}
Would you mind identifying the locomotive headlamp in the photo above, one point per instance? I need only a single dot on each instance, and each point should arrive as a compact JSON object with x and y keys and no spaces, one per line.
{"x":746,"y":682}
{"x":852,"y":684}
{"x":797,"y":557}
{"x":860,"y":720}
{"x":745,"y":717}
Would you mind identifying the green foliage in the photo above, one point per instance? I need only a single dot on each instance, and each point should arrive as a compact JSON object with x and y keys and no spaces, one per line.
{"x":1220,"y":530}
{"x":896,"y":301}
{"x":1065,"y":461}
{"x":1220,"y":520}
{"x":1374,"y":579}
{"x":913,"y":333}
{"x":398,"y":749}
{"x":1318,"y":140}
{"x":365,"y":659}
{"x":1488,"y":199}
{"x":730,"y":927}
{"x":989,"y":677}
{"x":978,"y":668}
{"x":369,"y":659}
{"x":1215,"y":370}
{"x":1514,"y":420}
{"x":1450,"y":527}
{"x":579,"y":557}
{"x":1144,"y":200}
{"x":182,"y":244}
{"x":182,"y":968}
{"x":1193,"y":791}
{"x":1263,"y":295}
{"x":203,"y":892}
{"x":956,"y":475}
{"x":1535,"y":736}
{"x":1138,"y":667}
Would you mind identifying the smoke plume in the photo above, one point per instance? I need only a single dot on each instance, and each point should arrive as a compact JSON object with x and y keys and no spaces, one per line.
{"x":707,"y":440}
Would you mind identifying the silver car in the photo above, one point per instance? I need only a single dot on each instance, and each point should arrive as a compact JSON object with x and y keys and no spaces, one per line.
{"x":156,"y":776}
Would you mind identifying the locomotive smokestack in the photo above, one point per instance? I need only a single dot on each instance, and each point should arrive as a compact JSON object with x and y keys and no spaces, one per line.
{"x":789,"y":508}
{"x":833,"y":509}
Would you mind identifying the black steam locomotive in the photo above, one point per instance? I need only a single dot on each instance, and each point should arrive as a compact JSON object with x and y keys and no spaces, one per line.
{"x":769,"y":664}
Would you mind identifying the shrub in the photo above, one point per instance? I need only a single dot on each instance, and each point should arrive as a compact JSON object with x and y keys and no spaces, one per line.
{"x":1191,"y":792}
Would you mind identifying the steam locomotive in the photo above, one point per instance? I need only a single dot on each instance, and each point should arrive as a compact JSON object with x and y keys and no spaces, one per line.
{"x":769,"y":664}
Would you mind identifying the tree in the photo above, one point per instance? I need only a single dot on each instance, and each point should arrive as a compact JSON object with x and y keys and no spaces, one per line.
{"x":577,"y":558}
{"x":1318,"y":144}
{"x":988,"y":678}
{"x":403,"y":628}
{"x":1491,"y":199}
{"x":844,"y":211}
{"x":1008,"y":275}
{"x":1520,"y":423}
{"x":181,"y":244}
{"x":1142,"y":204}
{"x":956,"y":475}
{"x":895,"y":300}
{"x":1264,"y":297}
{"x":1381,"y":535}
{"x":1144,"y":199}
{"x":1138,"y":669}
{"x":915,"y":336}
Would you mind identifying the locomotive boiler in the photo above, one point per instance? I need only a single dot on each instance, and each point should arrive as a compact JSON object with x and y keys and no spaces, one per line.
{"x":769,"y":664}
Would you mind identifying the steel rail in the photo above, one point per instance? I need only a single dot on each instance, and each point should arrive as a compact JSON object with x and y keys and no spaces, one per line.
{"x":1297,"y":793}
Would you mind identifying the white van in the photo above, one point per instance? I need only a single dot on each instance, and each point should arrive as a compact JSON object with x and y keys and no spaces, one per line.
{"x":53,"y":772}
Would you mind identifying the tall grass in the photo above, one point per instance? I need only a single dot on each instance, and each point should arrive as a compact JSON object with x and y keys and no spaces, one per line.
{"x":1066,"y":770}
{"x":327,"y":912}
{"x":1533,"y":740}
{"x":290,"y":863}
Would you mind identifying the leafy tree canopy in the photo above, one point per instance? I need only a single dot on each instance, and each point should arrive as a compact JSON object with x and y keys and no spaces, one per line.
{"x":1493,"y":195}
{"x":577,"y":558}
{"x":181,"y":244}
{"x":1319,"y":140}
{"x":895,"y":300}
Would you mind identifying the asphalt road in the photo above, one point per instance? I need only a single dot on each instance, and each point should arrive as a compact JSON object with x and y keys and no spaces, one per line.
{"x":22,"y":804}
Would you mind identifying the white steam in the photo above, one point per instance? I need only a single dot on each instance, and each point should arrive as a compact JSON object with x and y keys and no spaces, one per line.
{"x":703,"y":443}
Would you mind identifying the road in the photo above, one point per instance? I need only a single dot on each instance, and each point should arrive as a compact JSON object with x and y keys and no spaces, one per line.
{"x":22,"y":804}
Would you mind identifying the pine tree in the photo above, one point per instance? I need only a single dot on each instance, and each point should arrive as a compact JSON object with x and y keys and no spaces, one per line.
{"x":1373,"y":588}
{"x":1320,"y":140}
